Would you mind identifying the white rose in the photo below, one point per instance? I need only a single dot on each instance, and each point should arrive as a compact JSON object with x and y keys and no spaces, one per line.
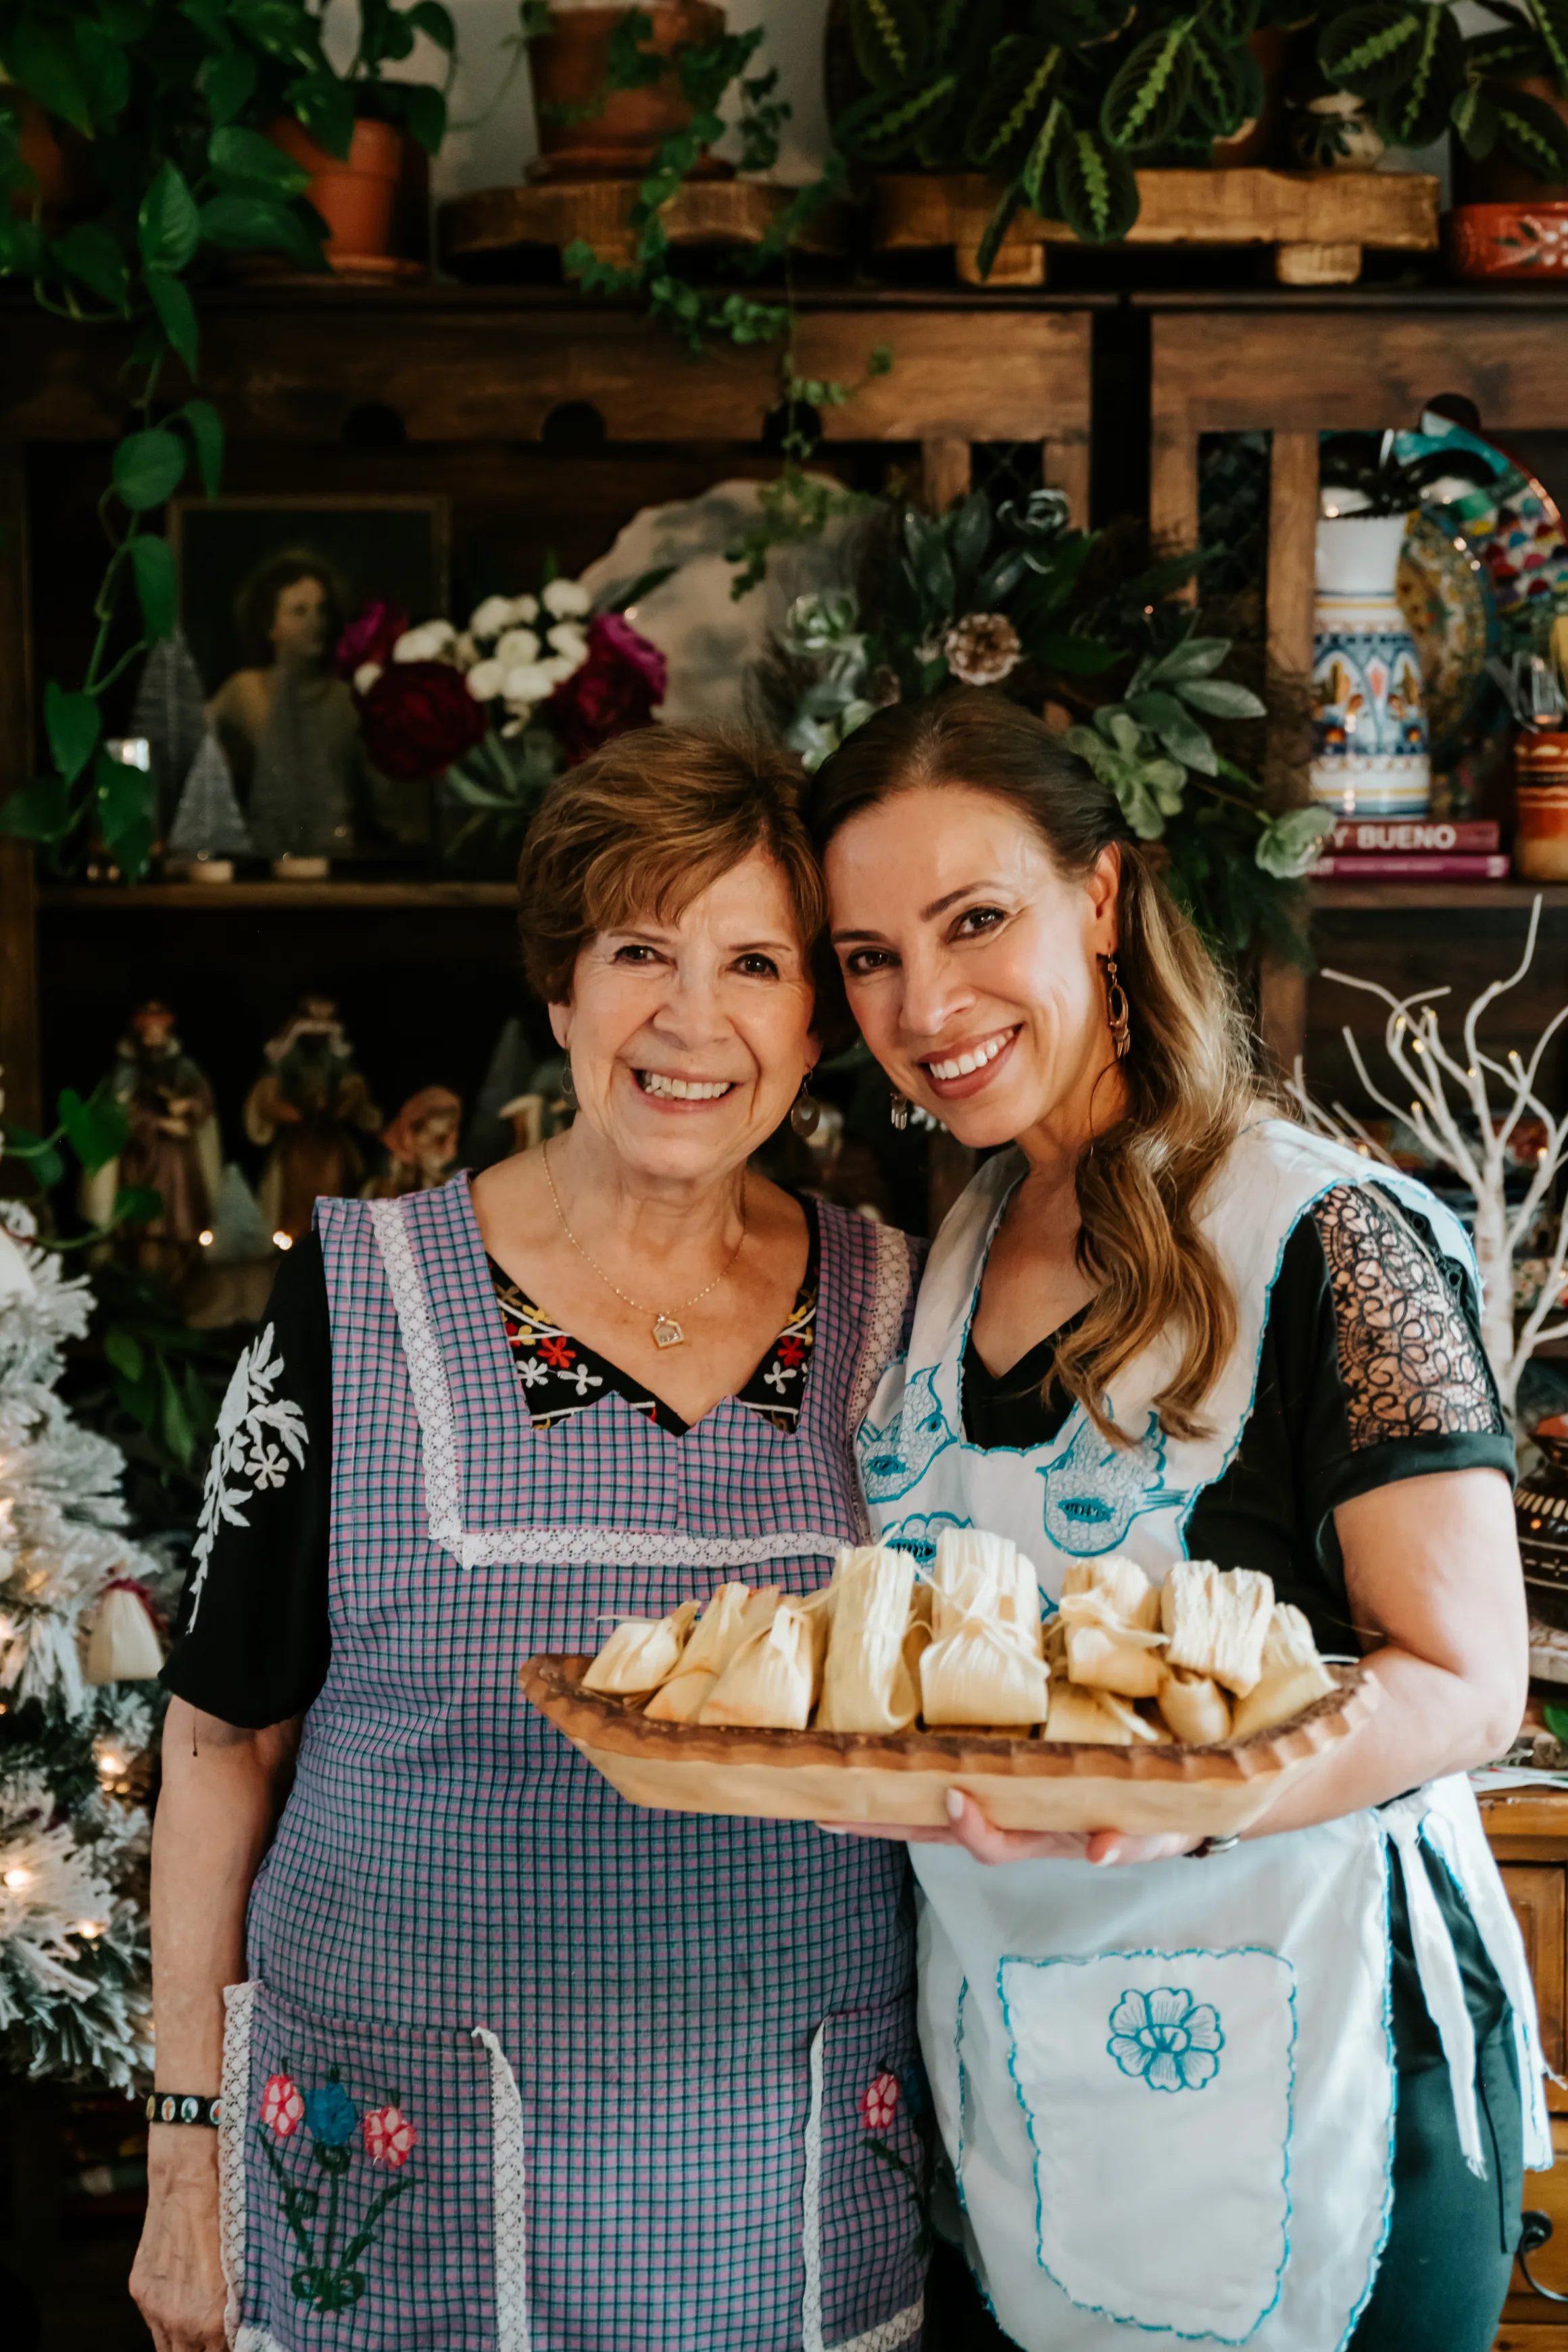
{"x":529,"y":683}
{"x":564,"y":596}
{"x":568,"y":639}
{"x":411,"y":647}
{"x":488,"y":619}
{"x":366,"y":676}
{"x":521,"y":610}
{"x":486,"y":680}
{"x":517,"y":645}
{"x":432,"y":642}
{"x":464,"y":652}
{"x":558,"y":668}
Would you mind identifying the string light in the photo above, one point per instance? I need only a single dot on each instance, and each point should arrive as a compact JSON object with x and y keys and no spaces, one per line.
{"x":283,"y":1241}
{"x":205,"y":1237}
{"x":18,"y":1877}
{"x":88,"y":1929}
{"x":110,"y":1767}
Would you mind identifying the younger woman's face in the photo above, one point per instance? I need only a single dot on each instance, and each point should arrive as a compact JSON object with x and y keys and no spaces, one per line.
{"x":971,"y":964}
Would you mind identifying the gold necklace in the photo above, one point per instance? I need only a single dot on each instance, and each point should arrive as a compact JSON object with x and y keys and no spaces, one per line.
{"x":667,"y":1332}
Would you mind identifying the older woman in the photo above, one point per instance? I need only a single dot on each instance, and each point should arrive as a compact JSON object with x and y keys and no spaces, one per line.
{"x":1272,"y":2095}
{"x":508,"y":2064}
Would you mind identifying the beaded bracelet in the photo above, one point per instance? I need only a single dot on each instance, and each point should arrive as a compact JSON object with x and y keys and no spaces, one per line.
{"x":183,"y":2107}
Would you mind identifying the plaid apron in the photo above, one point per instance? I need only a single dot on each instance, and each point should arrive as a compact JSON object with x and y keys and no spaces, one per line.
{"x":520,"y":2068}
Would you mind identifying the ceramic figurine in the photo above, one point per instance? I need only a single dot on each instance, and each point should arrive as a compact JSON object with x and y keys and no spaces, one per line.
{"x":312,"y":1112}
{"x":173,"y":1148}
{"x":421,"y":1143}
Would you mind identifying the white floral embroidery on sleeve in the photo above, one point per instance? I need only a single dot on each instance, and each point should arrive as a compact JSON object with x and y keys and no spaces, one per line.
{"x":258,"y":1435}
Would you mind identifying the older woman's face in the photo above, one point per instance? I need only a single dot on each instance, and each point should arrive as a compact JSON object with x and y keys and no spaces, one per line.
{"x":689,"y":1038}
{"x":970,"y":960}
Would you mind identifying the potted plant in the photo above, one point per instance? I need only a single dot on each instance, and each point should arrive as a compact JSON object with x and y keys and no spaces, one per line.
{"x":607,"y":85}
{"x":365,"y":149}
{"x":162,"y":102}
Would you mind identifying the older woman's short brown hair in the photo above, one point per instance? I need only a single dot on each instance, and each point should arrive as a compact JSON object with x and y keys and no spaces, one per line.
{"x":643,"y":826}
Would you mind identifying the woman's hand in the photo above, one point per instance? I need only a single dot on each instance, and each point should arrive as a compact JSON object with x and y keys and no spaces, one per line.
{"x":971,"y":1829}
{"x":177,"y":2279}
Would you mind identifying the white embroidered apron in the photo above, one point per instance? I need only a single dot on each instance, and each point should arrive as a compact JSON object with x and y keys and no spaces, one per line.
{"x":1168,"y":2090}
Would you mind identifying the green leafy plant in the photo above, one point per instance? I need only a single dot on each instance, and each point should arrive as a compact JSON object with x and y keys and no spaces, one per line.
{"x":165,"y":102}
{"x":1011,"y":597}
{"x":707,"y":72}
{"x":1381,"y":482}
{"x":1061,"y":99}
{"x":1409,"y":60}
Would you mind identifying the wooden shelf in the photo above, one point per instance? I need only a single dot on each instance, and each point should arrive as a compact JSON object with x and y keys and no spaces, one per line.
{"x":219,"y":897}
{"x":1413,"y":898}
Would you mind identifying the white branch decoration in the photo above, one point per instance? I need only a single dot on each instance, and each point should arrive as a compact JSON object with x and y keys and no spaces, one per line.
{"x":1443,"y":1091}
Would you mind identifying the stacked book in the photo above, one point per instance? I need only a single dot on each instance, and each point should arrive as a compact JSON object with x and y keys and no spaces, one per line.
{"x":1412,"y":849}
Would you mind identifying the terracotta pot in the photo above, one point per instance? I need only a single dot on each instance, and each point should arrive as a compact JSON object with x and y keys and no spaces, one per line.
{"x":1541,"y":801}
{"x":619,"y":140}
{"x":358,"y":198}
{"x":1252,"y":142}
{"x":61,"y":159}
{"x":1525,"y":239}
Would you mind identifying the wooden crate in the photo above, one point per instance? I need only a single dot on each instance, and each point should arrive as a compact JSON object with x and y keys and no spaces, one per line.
{"x":495,"y":227}
{"x":1319,"y":223}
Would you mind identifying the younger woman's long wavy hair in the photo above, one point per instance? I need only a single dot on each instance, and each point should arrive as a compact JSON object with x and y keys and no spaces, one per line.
{"x":1189,"y":1081}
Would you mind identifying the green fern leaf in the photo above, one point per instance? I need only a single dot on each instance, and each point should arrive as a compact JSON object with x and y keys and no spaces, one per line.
{"x":1475,"y":119}
{"x":1149,"y":94}
{"x":1096,"y":189}
{"x":1371,"y":50}
{"x":885,"y":124}
{"x":1227,"y":85}
{"x":1010,"y":109}
{"x":1534,"y":132}
{"x":1550,"y":18}
{"x":1042,"y":154}
{"x":889,"y":38}
{"x":1416,"y":114}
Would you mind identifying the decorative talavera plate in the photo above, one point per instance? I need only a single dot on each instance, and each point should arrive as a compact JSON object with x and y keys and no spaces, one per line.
{"x":1445,"y":593}
{"x":1019,"y":1782}
{"x":1507,"y":519}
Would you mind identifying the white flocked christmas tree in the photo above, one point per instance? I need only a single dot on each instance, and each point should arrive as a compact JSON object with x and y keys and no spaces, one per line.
{"x":73,"y":1932}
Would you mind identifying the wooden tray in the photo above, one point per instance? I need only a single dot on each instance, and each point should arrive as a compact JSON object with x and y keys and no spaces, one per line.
{"x":1021,"y":1783}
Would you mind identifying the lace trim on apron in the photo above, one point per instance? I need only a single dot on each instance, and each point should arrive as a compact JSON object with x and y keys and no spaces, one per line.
{"x":890,"y":2333}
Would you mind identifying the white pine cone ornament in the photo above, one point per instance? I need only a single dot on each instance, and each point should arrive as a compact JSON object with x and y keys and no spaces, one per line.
{"x":982,"y":649}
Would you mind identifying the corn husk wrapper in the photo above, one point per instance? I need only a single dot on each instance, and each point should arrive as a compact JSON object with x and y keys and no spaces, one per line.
{"x":771,"y":1681}
{"x":123,"y":1646}
{"x":1216,"y":1621}
{"x":1115,"y":1659}
{"x":1195,"y":1709}
{"x":981,"y":1673}
{"x":1293,"y":1675}
{"x":734,"y":1612}
{"x":1120,"y":1586}
{"x":979,"y":1575}
{"x":641,"y":1654}
{"x":1088,"y":1715}
{"x":866,"y":1683}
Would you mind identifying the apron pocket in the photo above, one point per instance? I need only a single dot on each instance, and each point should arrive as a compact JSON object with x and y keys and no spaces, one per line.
{"x":372,"y":2184}
{"x":1157,"y":2087}
{"x":871,"y":2137}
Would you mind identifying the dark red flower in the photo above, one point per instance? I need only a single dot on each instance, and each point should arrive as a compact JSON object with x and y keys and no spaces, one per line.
{"x":419,"y":717}
{"x":614,"y":689}
{"x":370,"y":636}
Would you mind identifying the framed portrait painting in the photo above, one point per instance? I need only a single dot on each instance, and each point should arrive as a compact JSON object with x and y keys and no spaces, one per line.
{"x":266,"y":585}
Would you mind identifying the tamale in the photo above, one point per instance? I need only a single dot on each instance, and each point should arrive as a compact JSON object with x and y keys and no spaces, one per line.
{"x":1293,"y":1675}
{"x":1195,"y":1709}
{"x":981,"y":1575}
{"x":770,"y":1683}
{"x":981,"y":1673}
{"x":1114,"y":1659}
{"x":1216,"y":1621}
{"x":1121,"y":1583}
{"x":866,"y":1683}
{"x":1083,"y":1715}
{"x":641,"y":1654}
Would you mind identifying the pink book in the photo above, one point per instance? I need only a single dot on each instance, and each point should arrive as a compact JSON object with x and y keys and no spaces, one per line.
{"x":1393,"y":836}
{"x":1475,"y":867}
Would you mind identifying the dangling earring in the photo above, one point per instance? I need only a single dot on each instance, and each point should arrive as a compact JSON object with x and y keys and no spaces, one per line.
{"x":806,"y":1110}
{"x":568,"y":1085}
{"x":1118,"y":1017}
{"x":898,"y":1110}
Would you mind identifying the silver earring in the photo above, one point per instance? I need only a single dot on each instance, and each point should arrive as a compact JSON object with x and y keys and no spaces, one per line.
{"x":898,"y":1110}
{"x":806,"y":1111}
{"x":568,"y":1085}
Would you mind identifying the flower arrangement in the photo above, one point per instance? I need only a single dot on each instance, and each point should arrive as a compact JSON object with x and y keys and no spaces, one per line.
{"x":328,"y":2278}
{"x":1009,"y":597}
{"x":531,"y":686}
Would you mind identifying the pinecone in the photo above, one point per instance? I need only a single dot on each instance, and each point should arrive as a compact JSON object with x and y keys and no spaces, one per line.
{"x":982,"y":649}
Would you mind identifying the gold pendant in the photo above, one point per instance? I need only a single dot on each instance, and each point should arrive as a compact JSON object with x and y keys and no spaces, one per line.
{"x":667,"y":1332}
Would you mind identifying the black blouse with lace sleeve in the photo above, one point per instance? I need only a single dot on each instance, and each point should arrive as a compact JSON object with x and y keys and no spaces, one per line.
{"x":1371,"y":1370}
{"x":252,"y":1641}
